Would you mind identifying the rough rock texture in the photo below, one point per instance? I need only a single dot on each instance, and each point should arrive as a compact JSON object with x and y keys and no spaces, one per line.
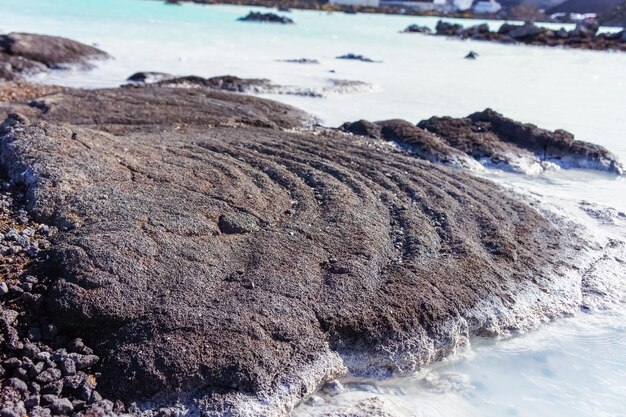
{"x":27,"y":53}
{"x":205,"y":248}
{"x":491,"y":139}
{"x":39,"y":365}
{"x":583,"y":36}
{"x":21,"y":91}
{"x":416,"y":140}
{"x":178,"y":109}
{"x":494,"y":139}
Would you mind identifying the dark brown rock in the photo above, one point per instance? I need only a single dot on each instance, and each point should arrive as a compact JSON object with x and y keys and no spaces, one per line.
{"x":489,"y":135}
{"x":266,"y":18}
{"x":27,"y":53}
{"x":584,"y":36}
{"x":341,"y":245}
{"x":51,"y":51}
{"x":117,"y":110}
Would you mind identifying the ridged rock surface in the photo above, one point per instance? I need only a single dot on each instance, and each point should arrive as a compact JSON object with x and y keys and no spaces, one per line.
{"x":208,"y":242}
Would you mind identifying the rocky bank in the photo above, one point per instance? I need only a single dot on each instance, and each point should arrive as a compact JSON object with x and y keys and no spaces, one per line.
{"x":489,"y":139}
{"x":221,"y":257}
{"x":584,"y":36}
{"x":23,"y":54}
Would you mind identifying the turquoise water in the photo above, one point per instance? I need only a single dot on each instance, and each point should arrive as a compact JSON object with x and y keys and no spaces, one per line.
{"x":575,"y":367}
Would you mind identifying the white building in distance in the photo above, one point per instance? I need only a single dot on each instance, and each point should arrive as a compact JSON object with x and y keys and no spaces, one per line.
{"x":486,"y":6}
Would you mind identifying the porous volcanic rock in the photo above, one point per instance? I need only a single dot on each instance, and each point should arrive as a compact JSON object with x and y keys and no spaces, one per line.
{"x":416,"y":140}
{"x":491,"y":139}
{"x":494,"y":139}
{"x":211,"y":246}
{"x":27,"y":53}
{"x":119,"y":111}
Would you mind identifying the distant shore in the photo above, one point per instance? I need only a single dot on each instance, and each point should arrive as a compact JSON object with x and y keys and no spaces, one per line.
{"x":395,"y":10}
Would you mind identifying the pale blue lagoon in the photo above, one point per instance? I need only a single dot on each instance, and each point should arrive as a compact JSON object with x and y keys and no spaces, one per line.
{"x":573,"y":367}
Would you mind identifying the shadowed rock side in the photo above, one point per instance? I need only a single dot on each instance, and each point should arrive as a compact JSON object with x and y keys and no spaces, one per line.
{"x":205,"y":248}
{"x":26,"y":53}
{"x":491,"y":139}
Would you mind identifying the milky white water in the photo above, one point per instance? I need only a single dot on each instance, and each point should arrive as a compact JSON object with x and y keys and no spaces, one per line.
{"x":575,"y":367}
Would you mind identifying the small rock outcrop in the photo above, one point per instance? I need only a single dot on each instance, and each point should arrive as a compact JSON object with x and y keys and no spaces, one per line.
{"x":490,"y":139}
{"x":26,"y":53}
{"x":418,"y":29}
{"x":301,"y":61}
{"x":497,"y":140}
{"x":355,"y":57}
{"x":266,"y":18}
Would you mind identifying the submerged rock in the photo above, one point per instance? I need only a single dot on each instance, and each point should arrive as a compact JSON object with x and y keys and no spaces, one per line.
{"x":301,"y":61}
{"x":417,"y":29}
{"x":207,"y":240}
{"x":266,"y":18}
{"x":27,"y":53}
{"x":355,"y":57}
{"x":149,"y":77}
